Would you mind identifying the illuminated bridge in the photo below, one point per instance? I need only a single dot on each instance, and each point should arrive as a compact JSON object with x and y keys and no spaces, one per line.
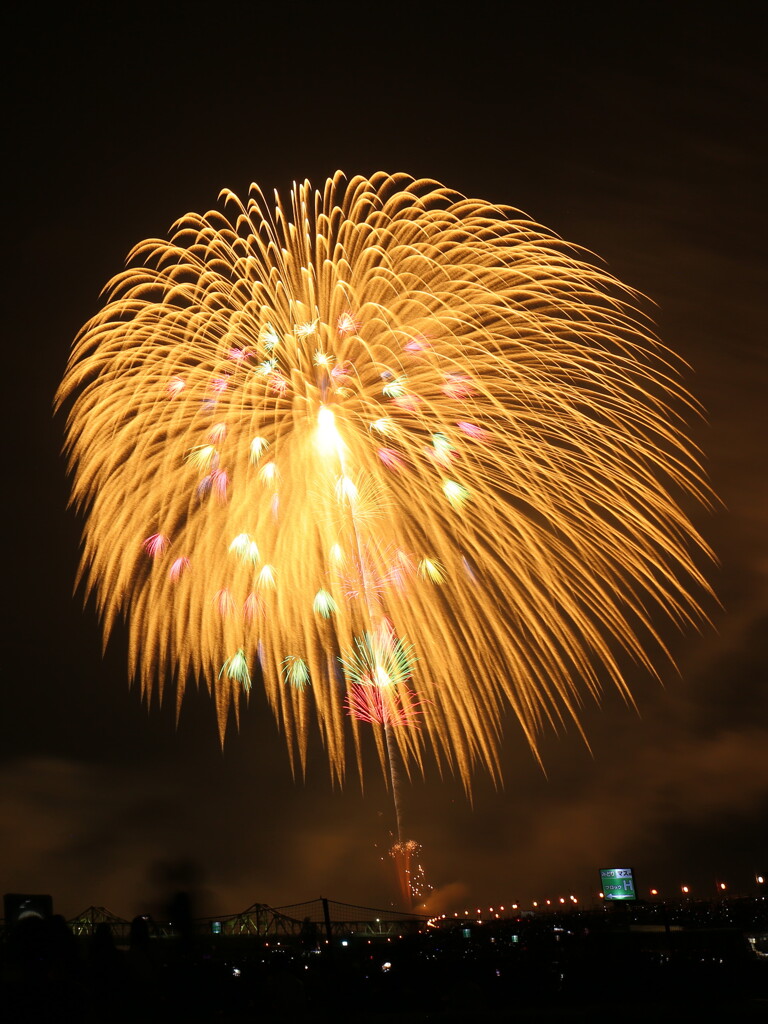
{"x":316,"y":920}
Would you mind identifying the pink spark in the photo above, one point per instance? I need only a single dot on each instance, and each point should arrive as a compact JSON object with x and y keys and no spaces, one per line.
{"x":223,"y":602}
{"x":175,"y":386}
{"x":409,"y":403}
{"x":219,"y":482}
{"x":155,"y":545}
{"x":252,"y":606}
{"x":439,"y":456}
{"x":347,"y":324}
{"x":390,"y":458}
{"x":217,"y":432}
{"x":401,"y":571}
{"x":178,"y":569}
{"x":380,"y":705}
{"x":458,"y":386}
{"x":374,"y":584}
{"x":472,"y":430}
{"x":416,"y":344}
{"x":278,"y":383}
{"x":341,"y":371}
{"x":219,"y":384}
{"x":237,"y":355}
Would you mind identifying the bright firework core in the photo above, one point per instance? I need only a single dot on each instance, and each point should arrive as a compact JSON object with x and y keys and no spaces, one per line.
{"x":404,"y":455}
{"x":328,"y":438}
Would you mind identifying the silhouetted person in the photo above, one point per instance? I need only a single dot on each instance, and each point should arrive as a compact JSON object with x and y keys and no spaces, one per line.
{"x":310,"y":935}
{"x":141,"y":963}
{"x":180,"y":918}
{"x":106,"y":962}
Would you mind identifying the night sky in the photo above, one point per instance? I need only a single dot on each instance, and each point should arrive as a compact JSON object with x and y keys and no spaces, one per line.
{"x":637,"y":134}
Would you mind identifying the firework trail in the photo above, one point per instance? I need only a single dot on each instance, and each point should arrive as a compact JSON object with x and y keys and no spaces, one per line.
{"x":403,"y":456}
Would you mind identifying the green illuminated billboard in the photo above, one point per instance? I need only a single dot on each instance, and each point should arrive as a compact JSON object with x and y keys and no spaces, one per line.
{"x":618,"y":883}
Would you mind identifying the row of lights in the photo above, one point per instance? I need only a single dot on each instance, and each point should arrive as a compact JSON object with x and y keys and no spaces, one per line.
{"x":721,"y":887}
{"x":563,"y":901}
{"x":496,"y":911}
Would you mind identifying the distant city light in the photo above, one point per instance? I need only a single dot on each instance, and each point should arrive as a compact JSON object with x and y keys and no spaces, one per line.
{"x":495,"y":910}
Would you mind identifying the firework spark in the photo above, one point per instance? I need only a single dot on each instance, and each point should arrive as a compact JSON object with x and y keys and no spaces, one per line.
{"x":403,"y":455}
{"x":412,"y":884}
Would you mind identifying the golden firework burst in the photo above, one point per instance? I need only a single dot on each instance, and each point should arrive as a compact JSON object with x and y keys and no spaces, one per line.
{"x":384,"y":418}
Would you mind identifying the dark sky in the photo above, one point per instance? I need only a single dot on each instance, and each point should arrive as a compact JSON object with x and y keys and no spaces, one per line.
{"x":634,"y":131}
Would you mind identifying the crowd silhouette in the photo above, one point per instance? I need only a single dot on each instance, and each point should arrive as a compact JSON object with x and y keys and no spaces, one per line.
{"x":573,"y":967}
